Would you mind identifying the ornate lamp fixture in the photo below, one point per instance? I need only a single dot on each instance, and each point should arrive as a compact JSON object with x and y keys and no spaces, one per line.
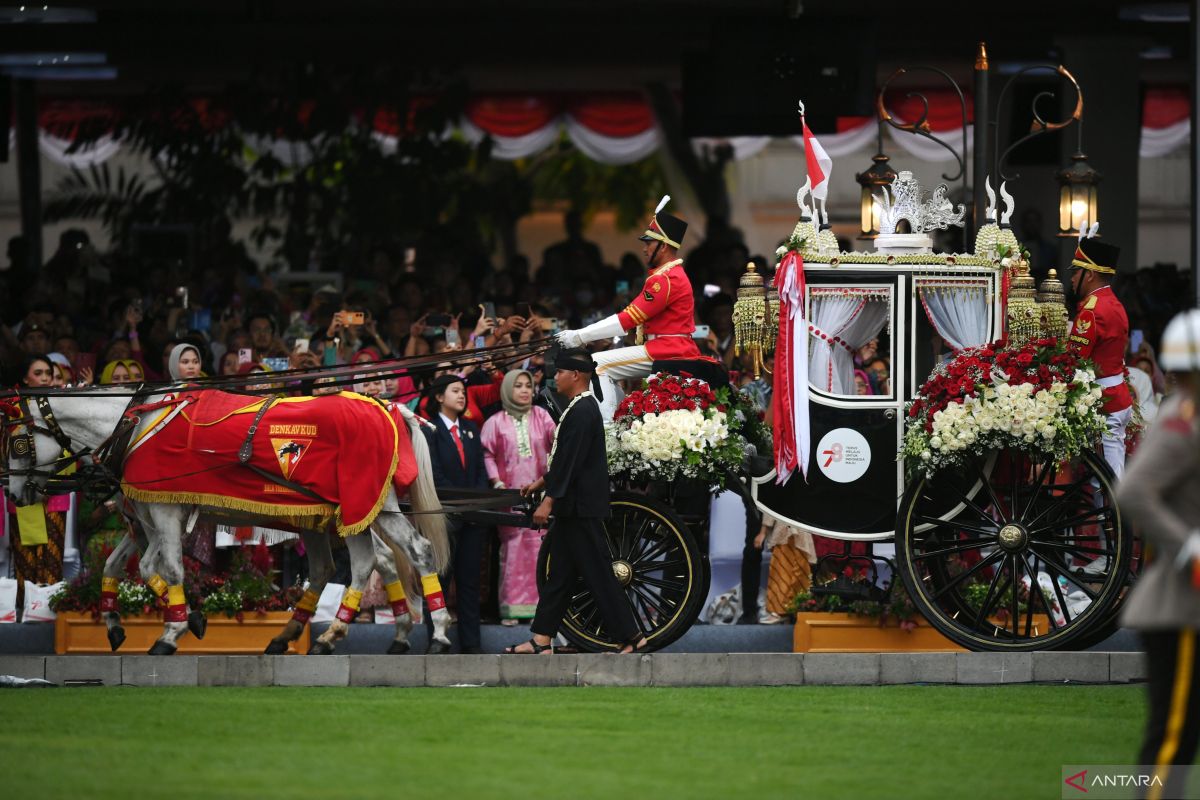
{"x":872,"y":181}
{"x":1078,"y":198}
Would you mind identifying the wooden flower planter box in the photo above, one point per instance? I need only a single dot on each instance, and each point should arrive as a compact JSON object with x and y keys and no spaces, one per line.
{"x":76,"y":632}
{"x":830,"y":632}
{"x":833,"y":632}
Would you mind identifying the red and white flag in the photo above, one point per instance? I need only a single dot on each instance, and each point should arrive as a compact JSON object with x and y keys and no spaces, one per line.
{"x":820,"y":165}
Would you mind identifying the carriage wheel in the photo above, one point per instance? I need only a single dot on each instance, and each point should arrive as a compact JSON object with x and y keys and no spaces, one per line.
{"x":1010,"y":568}
{"x":659,"y":566}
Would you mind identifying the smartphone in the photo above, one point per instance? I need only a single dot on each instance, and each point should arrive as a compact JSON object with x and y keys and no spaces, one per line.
{"x":200,"y":319}
{"x":83,"y":361}
{"x":481,"y":341}
{"x":622,"y":287}
{"x":438,"y":320}
{"x":353,"y":317}
{"x":182,"y":293}
{"x":410,"y":259}
{"x":489,"y":310}
{"x":276,"y":364}
{"x":711,"y":290}
{"x":136,"y":305}
{"x":701,"y":332}
{"x":245,"y":356}
{"x":1136,"y":337}
{"x":301,"y":346}
{"x":452,"y":337}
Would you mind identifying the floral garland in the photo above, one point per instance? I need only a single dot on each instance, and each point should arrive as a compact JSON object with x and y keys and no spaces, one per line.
{"x":1040,"y":398}
{"x":678,"y":427}
{"x":922,"y":259}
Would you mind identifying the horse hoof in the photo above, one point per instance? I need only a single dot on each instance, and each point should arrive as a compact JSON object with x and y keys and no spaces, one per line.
{"x":437,"y":648}
{"x":116,"y":637}
{"x":276,"y":648}
{"x":162,"y":649}
{"x":197,"y":624}
{"x":398,"y":648}
{"x":320,"y":648}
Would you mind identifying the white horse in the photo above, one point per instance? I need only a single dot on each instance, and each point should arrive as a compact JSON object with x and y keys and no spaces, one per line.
{"x":89,"y":420}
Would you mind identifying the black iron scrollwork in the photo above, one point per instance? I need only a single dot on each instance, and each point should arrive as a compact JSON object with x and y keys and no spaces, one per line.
{"x":1039,"y":125}
{"x":921,"y":127}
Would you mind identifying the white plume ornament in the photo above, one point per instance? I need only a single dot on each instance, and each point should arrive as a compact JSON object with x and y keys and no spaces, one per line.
{"x":990,"y":212}
{"x":1009,"y":204}
{"x":661,"y":203}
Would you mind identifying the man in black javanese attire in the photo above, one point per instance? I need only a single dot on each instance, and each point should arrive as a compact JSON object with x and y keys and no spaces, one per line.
{"x":576,"y":486}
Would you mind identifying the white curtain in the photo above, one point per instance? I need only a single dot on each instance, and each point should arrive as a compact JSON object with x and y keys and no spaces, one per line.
{"x":510,"y":148}
{"x":743,"y":146}
{"x":1158,"y":142}
{"x":844,"y":143}
{"x":958,"y":311}
{"x":614,"y":150}
{"x":55,"y":148}
{"x":842,"y":320}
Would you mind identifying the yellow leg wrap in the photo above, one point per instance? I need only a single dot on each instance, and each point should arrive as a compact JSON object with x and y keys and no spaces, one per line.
{"x":158,"y":585}
{"x":350,"y":603}
{"x":432,"y":587}
{"x":430,"y":584}
{"x":309,"y":601}
{"x":395,"y":591}
{"x":176,"y":604}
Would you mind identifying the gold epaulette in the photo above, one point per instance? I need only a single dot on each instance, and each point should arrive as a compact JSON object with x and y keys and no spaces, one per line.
{"x":1090,"y":303}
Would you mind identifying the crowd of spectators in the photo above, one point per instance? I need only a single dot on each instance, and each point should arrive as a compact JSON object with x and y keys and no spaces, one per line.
{"x":85,"y":318}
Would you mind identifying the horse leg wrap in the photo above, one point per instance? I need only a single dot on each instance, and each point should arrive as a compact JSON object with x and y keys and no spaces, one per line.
{"x":433,"y":592}
{"x":395,"y":592}
{"x":108,"y":594}
{"x":349,"y":607}
{"x":176,"y":605}
{"x":158,"y":586}
{"x":306,"y":607}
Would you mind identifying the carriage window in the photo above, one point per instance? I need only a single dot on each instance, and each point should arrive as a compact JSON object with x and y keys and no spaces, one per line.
{"x":843,"y":320}
{"x":958,"y":315}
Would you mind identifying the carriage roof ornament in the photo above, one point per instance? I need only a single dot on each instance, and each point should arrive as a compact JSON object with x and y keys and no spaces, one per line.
{"x":906,"y":202}
{"x":989,"y":213}
{"x":1009,"y":205}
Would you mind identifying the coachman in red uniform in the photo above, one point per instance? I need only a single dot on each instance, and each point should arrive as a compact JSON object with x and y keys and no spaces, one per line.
{"x":663,"y":313}
{"x":1101,"y":333}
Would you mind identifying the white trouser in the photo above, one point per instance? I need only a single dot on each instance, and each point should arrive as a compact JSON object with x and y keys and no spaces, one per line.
{"x":618,"y":365}
{"x":1113,"y":440}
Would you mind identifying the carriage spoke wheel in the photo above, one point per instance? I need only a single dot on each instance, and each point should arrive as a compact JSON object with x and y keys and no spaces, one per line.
{"x":660,"y":571}
{"x":1015,"y":565}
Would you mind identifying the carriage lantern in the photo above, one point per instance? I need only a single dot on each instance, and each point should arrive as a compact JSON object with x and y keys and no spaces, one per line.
{"x":872,"y":181}
{"x":754,"y":319}
{"x":1078,"y":200}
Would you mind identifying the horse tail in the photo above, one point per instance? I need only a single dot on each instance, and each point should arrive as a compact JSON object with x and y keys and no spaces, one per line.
{"x":423,"y":494}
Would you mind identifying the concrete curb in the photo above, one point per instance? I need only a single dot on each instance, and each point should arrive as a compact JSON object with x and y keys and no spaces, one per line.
{"x":658,"y":669}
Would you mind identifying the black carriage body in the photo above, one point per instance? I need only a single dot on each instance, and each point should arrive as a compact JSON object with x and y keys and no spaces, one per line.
{"x":855,"y":479}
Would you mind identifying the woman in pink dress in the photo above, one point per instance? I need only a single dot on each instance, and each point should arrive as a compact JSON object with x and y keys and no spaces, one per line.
{"x":516,"y":443}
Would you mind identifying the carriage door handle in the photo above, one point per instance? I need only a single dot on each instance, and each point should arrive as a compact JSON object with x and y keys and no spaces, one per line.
{"x":889,"y":413}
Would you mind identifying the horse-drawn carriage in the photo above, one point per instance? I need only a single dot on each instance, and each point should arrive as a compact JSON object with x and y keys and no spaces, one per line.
{"x":997,"y":546}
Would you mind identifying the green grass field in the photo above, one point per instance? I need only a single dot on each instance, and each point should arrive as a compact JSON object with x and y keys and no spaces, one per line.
{"x":812,"y":742}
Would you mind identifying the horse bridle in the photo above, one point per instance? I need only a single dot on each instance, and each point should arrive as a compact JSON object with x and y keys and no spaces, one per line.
{"x":94,"y":476}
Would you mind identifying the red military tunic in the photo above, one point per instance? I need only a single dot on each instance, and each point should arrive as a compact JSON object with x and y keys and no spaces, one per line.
{"x":1101,"y":333}
{"x":665,"y":311}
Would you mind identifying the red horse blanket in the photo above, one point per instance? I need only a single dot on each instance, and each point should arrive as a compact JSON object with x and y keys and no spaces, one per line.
{"x":342,"y":447}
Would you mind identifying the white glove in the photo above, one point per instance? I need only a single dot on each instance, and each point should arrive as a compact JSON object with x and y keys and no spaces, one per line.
{"x":606,"y":328}
{"x":569,"y":339}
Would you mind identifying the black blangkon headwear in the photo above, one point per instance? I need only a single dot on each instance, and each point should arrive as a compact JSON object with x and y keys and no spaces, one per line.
{"x":579,"y":359}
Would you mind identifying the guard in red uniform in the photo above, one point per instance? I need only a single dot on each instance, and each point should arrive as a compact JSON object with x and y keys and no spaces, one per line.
{"x":663,"y":313}
{"x":1101,"y":333}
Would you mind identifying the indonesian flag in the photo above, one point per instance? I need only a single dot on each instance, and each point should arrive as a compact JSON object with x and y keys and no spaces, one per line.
{"x":820,"y":165}
{"x":790,"y":396}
